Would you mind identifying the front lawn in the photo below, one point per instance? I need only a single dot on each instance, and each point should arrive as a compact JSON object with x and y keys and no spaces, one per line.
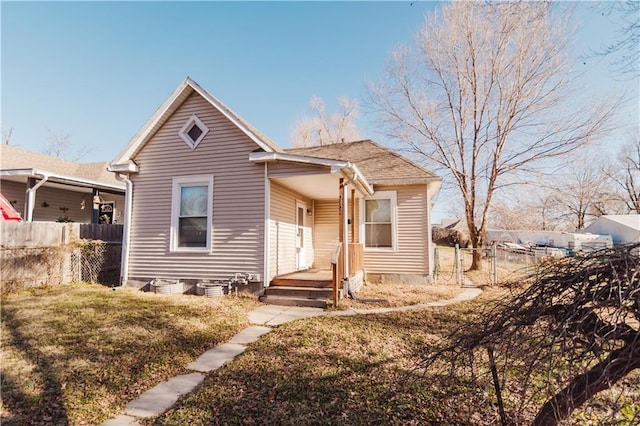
{"x":365,"y":370}
{"x":77,"y":354}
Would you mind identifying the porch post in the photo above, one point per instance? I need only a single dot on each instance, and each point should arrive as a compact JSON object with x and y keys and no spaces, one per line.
{"x":30,"y":199}
{"x":340,"y":212}
{"x":353,"y":216}
{"x":345,"y":229}
{"x":95,"y":212}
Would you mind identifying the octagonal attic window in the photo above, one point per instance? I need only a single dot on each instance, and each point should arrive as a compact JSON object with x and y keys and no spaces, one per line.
{"x":193,"y":131}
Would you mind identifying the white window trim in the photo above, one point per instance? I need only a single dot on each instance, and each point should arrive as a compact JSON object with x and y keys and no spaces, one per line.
{"x":384,"y":195}
{"x":178,"y":183}
{"x":187,"y":126}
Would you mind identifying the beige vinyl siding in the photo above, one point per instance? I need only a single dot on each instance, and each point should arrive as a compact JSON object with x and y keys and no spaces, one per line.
{"x":325,"y":231}
{"x":285,"y":169}
{"x":282,"y":234}
{"x":412,"y":255}
{"x":55,"y":198}
{"x":327,"y":217}
{"x":238,"y":199}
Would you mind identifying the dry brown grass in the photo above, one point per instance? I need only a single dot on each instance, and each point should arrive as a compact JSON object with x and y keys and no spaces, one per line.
{"x":76,"y":354}
{"x":391,"y":295}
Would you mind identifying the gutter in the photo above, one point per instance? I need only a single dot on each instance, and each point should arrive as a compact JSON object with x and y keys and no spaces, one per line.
{"x":62,"y":179}
{"x":31,"y":196}
{"x":124,"y":260}
{"x":355,"y":177}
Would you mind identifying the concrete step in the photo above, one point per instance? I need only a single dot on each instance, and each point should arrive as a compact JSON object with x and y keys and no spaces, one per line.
{"x":294,"y":301}
{"x":290,"y":282}
{"x":299,"y":292}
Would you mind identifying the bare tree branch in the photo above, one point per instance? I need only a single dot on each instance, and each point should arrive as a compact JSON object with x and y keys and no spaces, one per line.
{"x":487,"y":93}
{"x":323,"y":128}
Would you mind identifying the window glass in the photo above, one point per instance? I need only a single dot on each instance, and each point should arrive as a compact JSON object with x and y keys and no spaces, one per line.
{"x":194,"y":133}
{"x":192,"y":232}
{"x":193,"y":201}
{"x":192,"y":224}
{"x":378,"y":235}
{"x":191,"y":213}
{"x":378,"y":211}
{"x":378,"y":227}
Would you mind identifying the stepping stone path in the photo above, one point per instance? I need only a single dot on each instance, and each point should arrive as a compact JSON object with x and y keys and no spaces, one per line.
{"x":163,"y":396}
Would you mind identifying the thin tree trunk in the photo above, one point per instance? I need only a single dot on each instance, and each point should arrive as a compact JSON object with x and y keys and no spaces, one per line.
{"x":602,"y":376}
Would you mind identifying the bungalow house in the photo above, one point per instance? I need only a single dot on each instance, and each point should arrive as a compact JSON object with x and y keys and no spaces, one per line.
{"x":208,"y":195}
{"x":47,"y":189}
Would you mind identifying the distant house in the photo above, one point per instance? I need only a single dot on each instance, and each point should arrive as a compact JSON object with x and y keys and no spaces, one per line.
{"x":210,"y":196}
{"x":624,"y":228}
{"x":45,"y":188}
{"x":571,"y":241}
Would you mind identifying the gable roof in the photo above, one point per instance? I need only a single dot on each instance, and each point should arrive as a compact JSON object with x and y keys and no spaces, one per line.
{"x":631,"y":221}
{"x":379,"y":164}
{"x":16,"y":161}
{"x":173,"y":102}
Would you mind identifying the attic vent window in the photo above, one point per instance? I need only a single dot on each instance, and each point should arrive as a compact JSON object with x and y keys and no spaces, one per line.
{"x":193,"y":131}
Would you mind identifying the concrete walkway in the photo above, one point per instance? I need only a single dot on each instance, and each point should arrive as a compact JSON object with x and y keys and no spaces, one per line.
{"x":163,"y":396}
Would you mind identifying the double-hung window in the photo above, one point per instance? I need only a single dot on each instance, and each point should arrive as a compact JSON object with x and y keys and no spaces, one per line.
{"x":191,"y":213}
{"x":379,"y":221}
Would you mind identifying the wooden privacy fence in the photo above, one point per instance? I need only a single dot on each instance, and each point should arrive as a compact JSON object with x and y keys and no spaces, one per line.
{"x":48,"y":253}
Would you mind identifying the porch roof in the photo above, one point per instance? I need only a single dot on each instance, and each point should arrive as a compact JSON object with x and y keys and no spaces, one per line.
{"x":317,"y":186}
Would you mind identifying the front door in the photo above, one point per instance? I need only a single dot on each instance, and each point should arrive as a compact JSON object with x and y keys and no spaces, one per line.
{"x":301,"y":209}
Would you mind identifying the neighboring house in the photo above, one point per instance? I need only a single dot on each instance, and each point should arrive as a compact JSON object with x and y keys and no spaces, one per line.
{"x":47,"y":189}
{"x":572,"y":241}
{"x":209,"y":195}
{"x":624,"y":228}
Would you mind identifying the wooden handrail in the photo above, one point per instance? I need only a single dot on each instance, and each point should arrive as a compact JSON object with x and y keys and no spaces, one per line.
{"x":337,"y":269}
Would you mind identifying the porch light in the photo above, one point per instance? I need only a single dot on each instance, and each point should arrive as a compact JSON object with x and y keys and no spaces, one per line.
{"x":309,"y":212}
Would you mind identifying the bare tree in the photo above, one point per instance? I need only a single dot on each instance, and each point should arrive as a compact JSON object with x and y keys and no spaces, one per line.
{"x":324,"y":128}
{"x":626,"y":175}
{"x":570,"y":332}
{"x":6,"y":136}
{"x":60,"y":145}
{"x":486,"y":95}
{"x":531,"y":207}
{"x":625,"y":50}
{"x":583,"y":191}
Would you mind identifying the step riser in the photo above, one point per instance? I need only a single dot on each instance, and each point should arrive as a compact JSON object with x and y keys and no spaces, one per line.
{"x":319,"y":293}
{"x":279,"y":282}
{"x":310,"y":303}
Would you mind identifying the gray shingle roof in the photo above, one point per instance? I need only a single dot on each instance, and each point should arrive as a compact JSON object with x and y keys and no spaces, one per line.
{"x":379,"y":164}
{"x":14,"y":158}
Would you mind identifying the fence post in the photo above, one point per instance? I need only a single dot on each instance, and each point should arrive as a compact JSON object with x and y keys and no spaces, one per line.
{"x":436,"y":265}
{"x":494,"y":265}
{"x":458,"y":266}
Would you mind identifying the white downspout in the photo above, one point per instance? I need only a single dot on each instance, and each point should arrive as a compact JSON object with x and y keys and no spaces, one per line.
{"x":345,"y":228}
{"x":124,"y":260}
{"x":31,"y":197}
{"x":267,"y":208}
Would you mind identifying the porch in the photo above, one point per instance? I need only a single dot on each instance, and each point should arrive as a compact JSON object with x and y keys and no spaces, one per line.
{"x":314,"y":287}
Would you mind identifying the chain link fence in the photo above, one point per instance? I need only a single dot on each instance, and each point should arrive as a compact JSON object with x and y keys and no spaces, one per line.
{"x":83,"y":260}
{"x":500,"y":264}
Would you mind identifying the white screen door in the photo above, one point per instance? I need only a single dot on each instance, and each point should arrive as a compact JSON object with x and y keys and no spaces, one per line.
{"x":301,"y":209}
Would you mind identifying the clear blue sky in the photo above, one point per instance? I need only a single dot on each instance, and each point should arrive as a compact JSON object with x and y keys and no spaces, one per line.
{"x":98,"y":70}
